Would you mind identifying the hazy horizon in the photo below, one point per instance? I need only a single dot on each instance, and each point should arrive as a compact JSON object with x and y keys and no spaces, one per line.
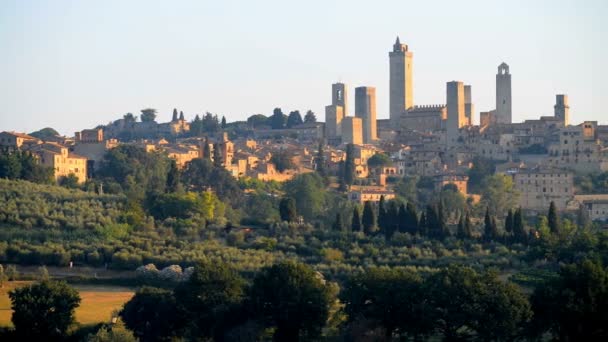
{"x":73,"y":65}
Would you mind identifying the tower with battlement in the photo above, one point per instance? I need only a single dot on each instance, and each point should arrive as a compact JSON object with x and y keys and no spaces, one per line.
{"x":401,"y":90}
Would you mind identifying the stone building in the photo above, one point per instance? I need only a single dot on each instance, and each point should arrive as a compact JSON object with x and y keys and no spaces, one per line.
{"x":401,"y":88}
{"x":541,"y":186}
{"x":62,"y":162}
{"x":352,"y":130}
{"x":363,"y":195}
{"x":365,"y":108}
{"x":458,"y":180}
{"x":425,"y":118}
{"x":14,"y":141}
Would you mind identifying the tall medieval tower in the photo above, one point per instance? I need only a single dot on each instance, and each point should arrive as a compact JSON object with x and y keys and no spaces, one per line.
{"x":401,"y":91}
{"x":503,"y":95}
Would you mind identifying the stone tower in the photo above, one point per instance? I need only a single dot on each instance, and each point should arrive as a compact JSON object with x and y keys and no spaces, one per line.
{"x":469,"y":109}
{"x":365,"y":108}
{"x":503,"y":94}
{"x":401,"y":90}
{"x":455,"y":100}
{"x":335,"y":112}
{"x":338,"y":96}
{"x":562,"y":109}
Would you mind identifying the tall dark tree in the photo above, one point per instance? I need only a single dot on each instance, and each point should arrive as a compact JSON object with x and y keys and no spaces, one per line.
{"x":181,"y":116}
{"x":490,"y":231}
{"x":174,"y":118}
{"x":460,"y":232}
{"x":152,"y":315}
{"x":293,"y":299}
{"x":196,"y":126}
{"x":369,"y":218}
{"x":129,"y":117}
{"x":573,"y":307}
{"x":470,"y":306}
{"x":224,"y":124}
{"x":310,"y":117}
{"x":43,"y":311}
{"x":402,"y":219}
{"x":519,"y":229}
{"x":148,"y":115}
{"x":294,"y":119}
{"x":356,"y":221}
{"x":423,"y":224}
{"x":218,"y":161}
{"x":509,"y":222}
{"x":553,"y":218}
{"x":392,"y":219}
{"x":207,"y":149}
{"x":287,"y":209}
{"x":389,"y":299}
{"x":349,"y":165}
{"x":210,"y":297}
{"x":382,"y":214}
{"x":210,"y":123}
{"x":320,"y":161}
{"x":173,"y":178}
{"x":338,"y":225}
{"x":278,"y":119}
{"x":411,"y":221}
{"x":10,"y":165}
{"x":436,"y":223}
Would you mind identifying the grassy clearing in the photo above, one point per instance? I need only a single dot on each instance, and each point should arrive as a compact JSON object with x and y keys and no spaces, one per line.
{"x":97,"y":305}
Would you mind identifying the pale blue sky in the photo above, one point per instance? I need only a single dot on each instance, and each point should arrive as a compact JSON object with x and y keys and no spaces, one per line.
{"x":74,"y":64}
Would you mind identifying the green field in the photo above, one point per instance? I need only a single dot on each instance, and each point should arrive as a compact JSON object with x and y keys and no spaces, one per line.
{"x":97,"y":305}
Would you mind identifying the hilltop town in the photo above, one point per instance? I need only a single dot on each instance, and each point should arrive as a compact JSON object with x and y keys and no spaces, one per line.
{"x":437,"y":142}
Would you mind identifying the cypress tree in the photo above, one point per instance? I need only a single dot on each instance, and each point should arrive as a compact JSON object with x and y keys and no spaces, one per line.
{"x":553,"y":218}
{"x":338,"y":225}
{"x":411,"y":224}
{"x":432,"y":222}
{"x":181,"y":115}
{"x":173,"y":178}
{"x":207,"y":150}
{"x":402,"y":219}
{"x":349,"y":165}
{"x":488,"y":231}
{"x":519,"y":230}
{"x":509,"y":222}
{"x":382,"y":215}
{"x":423,"y":227}
{"x":223,"y":124}
{"x":320,"y":161}
{"x":392,"y":220}
{"x":369,"y":218}
{"x":460,"y":233}
{"x":217,"y":156}
{"x":356,"y":224}
{"x":287,"y":209}
{"x":174,"y":118}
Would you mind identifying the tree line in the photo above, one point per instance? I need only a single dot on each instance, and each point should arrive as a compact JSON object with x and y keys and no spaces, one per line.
{"x":289,"y":301}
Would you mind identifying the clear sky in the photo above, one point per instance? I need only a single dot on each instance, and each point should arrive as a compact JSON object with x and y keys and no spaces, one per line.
{"x":75,"y":64}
